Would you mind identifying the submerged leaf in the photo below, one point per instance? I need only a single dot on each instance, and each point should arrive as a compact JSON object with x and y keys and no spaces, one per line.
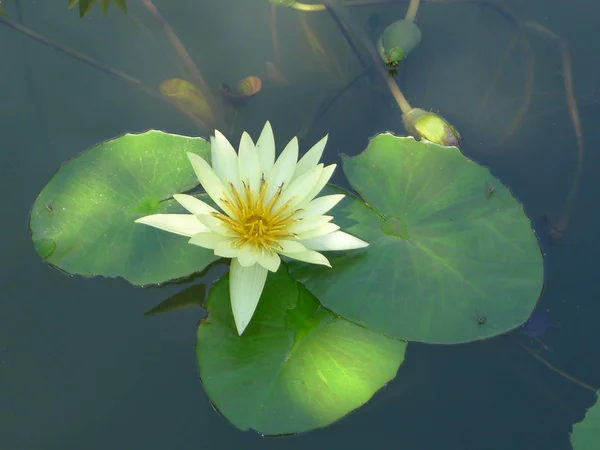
{"x":85,"y":6}
{"x":190,"y":297}
{"x":243,"y":91}
{"x":188,"y":99}
{"x":297,"y":366}
{"x":121,"y":4}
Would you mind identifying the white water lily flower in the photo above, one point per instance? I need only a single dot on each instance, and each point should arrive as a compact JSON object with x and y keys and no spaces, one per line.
{"x":268,"y":209}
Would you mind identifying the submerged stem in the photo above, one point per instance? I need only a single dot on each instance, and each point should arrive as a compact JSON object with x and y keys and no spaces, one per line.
{"x":529,"y":82}
{"x":188,"y":62}
{"x":336,"y":8}
{"x":274,"y":36}
{"x":79,"y":56}
{"x":557,"y":370}
{"x":573,"y":114}
{"x":413,"y":7}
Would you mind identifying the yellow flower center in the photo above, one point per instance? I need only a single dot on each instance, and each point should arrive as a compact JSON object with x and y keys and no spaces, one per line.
{"x":254,"y":221}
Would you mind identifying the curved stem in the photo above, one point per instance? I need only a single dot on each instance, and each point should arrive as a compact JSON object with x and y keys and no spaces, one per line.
{"x":188,"y":62}
{"x":413,"y":7}
{"x":274,"y":37}
{"x":499,"y":71}
{"x":348,"y":39}
{"x":573,"y":114}
{"x":329,"y":101}
{"x":346,"y":19}
{"x":557,"y":370}
{"x":528,"y":93}
{"x":77,"y":55}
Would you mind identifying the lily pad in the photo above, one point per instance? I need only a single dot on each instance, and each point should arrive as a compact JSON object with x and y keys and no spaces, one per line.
{"x":297,"y":366}
{"x":586,"y":434}
{"x":453,"y":257}
{"x":83,"y":220}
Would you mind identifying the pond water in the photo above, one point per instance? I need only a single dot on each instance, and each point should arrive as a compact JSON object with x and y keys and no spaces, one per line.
{"x":81,"y":367}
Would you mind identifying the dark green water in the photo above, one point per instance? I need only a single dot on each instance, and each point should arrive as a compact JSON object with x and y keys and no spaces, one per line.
{"x":81,"y":368}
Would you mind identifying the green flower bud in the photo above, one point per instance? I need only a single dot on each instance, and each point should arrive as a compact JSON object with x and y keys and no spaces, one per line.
{"x":427,"y":125}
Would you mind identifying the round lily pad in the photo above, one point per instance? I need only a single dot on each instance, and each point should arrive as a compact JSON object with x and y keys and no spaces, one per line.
{"x":297,"y":366}
{"x":586,"y":434}
{"x":452,"y":255}
{"x":83,"y":220}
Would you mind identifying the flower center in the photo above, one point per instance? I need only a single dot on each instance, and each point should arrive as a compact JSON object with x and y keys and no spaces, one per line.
{"x":254,"y":219}
{"x":256,"y":226}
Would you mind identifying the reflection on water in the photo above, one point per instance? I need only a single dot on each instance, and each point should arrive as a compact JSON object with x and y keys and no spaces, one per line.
{"x":81,"y":367}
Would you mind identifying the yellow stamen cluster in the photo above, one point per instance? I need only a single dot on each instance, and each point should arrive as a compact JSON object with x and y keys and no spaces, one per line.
{"x":254,"y":220}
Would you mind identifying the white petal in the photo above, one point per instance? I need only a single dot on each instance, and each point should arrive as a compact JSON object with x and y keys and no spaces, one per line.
{"x":284,"y":167}
{"x":182,"y":224}
{"x":214,"y":224}
{"x":320,"y":205}
{"x":265,"y":149}
{"x":338,"y":240}
{"x":193,"y":205}
{"x":224,"y":249}
{"x":311,"y":158}
{"x":289,"y":246}
{"x":299,"y":188}
{"x":323,"y":180}
{"x":209,"y":239}
{"x":248,"y":163}
{"x":245,"y":287}
{"x":309,"y":256}
{"x":247,"y":256}
{"x":224,"y":160}
{"x":270,"y":261}
{"x":309,"y":223}
{"x":210,"y":182}
{"x":319,"y":231}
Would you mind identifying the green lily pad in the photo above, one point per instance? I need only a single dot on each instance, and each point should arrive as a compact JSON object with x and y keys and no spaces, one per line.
{"x":297,"y":366}
{"x":453,"y":257}
{"x":83,"y":220}
{"x":586,"y":434}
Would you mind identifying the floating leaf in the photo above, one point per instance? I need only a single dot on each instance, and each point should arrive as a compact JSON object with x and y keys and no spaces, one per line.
{"x":448,"y":241}
{"x":397,"y":41}
{"x":188,"y":99}
{"x":586,"y":434}
{"x":297,"y":366}
{"x":243,"y":92}
{"x":83,"y":219}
